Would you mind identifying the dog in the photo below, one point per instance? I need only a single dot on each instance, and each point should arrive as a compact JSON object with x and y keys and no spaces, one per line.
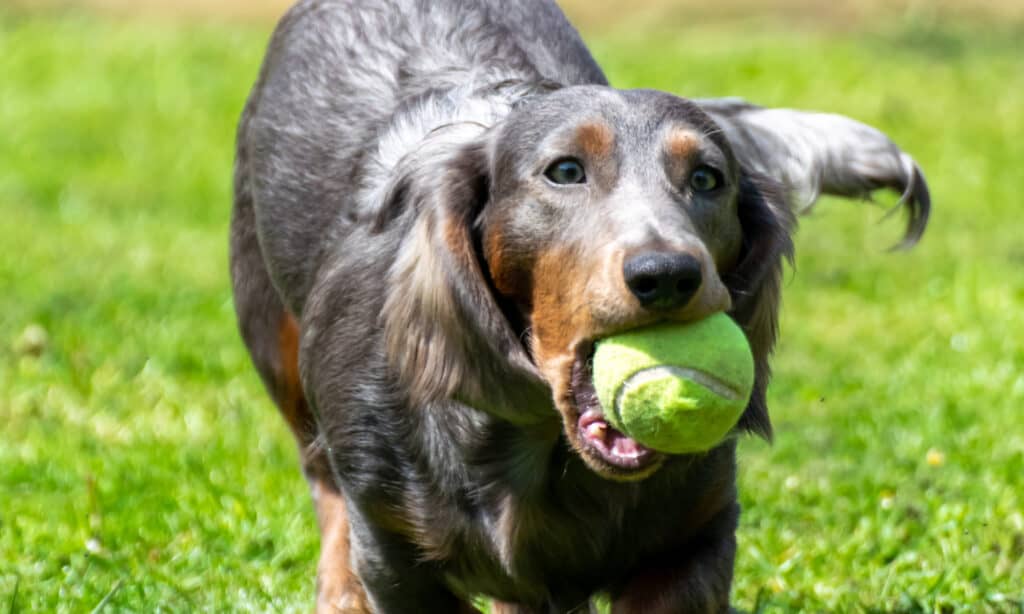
{"x":439,"y":207}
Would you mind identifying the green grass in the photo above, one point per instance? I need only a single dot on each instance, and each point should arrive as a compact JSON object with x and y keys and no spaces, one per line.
{"x":142,"y":466}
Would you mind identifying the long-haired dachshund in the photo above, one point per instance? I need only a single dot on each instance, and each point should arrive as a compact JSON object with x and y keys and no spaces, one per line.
{"x":439,"y":207}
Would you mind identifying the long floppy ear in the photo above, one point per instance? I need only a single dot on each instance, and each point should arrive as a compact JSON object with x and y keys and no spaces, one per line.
{"x":821,"y":153}
{"x":446,"y":336}
{"x":755,"y":283}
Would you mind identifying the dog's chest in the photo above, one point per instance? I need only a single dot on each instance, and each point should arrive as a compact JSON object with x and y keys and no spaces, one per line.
{"x":564,"y":546}
{"x":531,"y":555}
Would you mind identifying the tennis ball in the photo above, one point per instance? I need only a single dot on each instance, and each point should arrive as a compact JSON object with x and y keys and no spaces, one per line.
{"x":676,"y":388}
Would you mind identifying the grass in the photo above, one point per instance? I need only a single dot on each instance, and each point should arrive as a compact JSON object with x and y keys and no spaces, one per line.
{"x":143,"y":468}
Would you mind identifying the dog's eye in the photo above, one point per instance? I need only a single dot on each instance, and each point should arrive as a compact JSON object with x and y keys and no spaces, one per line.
{"x":566,"y":171}
{"x":705,"y":179}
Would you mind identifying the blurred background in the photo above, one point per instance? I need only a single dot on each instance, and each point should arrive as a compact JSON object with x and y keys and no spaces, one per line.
{"x":142,"y":467}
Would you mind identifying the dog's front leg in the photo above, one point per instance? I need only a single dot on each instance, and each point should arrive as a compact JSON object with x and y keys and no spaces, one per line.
{"x":395,"y":577}
{"x":693,"y":579}
{"x":338,"y":590}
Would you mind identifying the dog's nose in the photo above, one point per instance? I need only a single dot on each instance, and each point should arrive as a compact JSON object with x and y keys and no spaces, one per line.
{"x":662,"y":280}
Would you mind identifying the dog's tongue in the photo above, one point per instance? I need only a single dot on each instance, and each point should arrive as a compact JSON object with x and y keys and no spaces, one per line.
{"x":626,"y":447}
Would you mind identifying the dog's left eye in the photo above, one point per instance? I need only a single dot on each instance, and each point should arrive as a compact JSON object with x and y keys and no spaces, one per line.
{"x":705,"y":179}
{"x":566,"y":171}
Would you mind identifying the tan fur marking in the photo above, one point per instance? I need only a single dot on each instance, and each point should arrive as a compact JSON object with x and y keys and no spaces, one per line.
{"x":561,"y":317}
{"x":681,"y":143}
{"x":291,"y":399}
{"x":596,"y":139}
{"x":507,"y":275}
{"x":560,"y":313}
{"x":337,"y":587}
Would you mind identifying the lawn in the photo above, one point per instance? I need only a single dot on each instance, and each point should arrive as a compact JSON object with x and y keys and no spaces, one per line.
{"x":142,"y":467}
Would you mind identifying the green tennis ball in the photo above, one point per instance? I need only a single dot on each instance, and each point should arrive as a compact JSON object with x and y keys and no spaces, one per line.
{"x":676,"y":388}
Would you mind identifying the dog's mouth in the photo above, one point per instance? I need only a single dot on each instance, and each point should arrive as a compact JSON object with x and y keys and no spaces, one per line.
{"x":606,"y":449}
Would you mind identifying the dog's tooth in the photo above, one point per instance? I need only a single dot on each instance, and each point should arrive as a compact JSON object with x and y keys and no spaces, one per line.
{"x":597,"y":430}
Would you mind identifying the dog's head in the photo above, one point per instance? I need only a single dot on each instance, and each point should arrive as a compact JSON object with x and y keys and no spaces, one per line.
{"x":582,"y":213}
{"x":613,"y":210}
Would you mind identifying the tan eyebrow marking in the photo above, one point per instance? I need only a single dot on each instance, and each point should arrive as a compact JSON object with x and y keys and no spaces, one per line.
{"x":596,"y":138}
{"x":681,"y":143}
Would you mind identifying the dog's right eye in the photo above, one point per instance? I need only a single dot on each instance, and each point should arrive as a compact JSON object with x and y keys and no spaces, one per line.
{"x":566,"y":171}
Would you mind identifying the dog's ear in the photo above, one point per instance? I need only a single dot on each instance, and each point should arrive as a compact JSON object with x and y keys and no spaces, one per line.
{"x":822,"y":153}
{"x":789,"y":159}
{"x":755,"y":283}
{"x":446,"y":336}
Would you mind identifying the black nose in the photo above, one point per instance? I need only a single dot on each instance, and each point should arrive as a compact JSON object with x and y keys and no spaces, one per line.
{"x":662,"y":280}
